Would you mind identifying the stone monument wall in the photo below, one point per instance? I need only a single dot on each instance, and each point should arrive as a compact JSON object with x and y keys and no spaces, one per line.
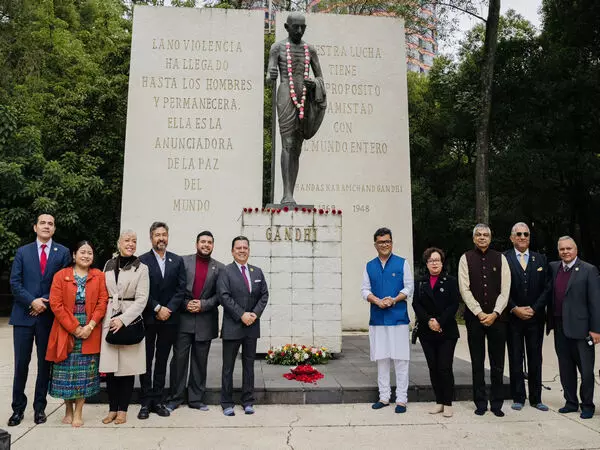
{"x":193,"y":150}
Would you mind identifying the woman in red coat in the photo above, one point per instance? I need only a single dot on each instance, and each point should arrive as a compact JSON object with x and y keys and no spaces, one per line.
{"x":78,"y":298}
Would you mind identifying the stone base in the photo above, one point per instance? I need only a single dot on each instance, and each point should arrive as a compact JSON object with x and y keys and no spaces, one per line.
{"x":300,"y":254}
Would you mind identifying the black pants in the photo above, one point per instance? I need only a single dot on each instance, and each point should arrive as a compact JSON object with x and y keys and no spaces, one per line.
{"x":230,"y":351}
{"x":187,"y":349}
{"x":23,"y":338}
{"x":574,"y":354}
{"x":496,"y":340}
{"x":159,"y":341}
{"x":119,"y":391}
{"x":440,"y":356}
{"x":525,"y":336}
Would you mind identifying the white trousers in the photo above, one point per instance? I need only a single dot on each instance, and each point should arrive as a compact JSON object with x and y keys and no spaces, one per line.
{"x":383,"y":379}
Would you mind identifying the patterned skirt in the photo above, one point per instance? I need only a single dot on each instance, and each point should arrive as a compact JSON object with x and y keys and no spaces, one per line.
{"x":77,"y":376}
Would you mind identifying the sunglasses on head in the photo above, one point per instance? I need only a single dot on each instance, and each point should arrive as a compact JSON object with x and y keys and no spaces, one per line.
{"x":522,"y":233}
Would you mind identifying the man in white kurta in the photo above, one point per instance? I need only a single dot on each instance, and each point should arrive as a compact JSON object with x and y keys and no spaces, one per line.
{"x":387,"y":285}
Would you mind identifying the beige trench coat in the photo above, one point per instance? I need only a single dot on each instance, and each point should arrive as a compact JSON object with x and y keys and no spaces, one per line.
{"x":123,"y":360}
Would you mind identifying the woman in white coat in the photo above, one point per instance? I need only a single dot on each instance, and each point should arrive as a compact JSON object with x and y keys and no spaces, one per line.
{"x":127,"y":283}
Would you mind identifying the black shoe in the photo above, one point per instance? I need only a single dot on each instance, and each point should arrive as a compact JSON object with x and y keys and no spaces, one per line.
{"x":567,"y":409}
{"x":480,"y":411}
{"x":39,"y":417}
{"x":144,"y":413}
{"x":172,"y":406}
{"x":498,"y":412}
{"x":15,"y":419}
{"x":161,"y":410}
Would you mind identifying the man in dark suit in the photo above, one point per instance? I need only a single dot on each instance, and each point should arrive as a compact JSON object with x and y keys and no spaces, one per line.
{"x":32,"y":271}
{"x":574,"y":314}
{"x":161,"y":317}
{"x":243,"y":292}
{"x":527,"y":308}
{"x":198,"y":325}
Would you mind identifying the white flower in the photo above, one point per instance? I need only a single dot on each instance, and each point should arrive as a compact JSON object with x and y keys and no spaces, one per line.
{"x":305,"y":356}
{"x":297,"y":356}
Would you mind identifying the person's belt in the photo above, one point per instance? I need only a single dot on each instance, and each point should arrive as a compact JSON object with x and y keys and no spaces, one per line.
{"x":127,"y":299}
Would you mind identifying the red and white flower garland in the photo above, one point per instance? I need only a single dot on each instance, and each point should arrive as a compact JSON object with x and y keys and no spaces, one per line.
{"x":299,"y":106}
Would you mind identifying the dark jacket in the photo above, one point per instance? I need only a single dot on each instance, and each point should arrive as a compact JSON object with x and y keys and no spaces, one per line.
{"x":236,"y":300}
{"x":27,"y":282}
{"x":168,"y":291}
{"x":581,"y":305}
{"x":440,"y":303}
{"x":528,"y":287}
{"x":205,"y":324}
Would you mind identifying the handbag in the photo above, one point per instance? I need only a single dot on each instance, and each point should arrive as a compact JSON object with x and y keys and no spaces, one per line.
{"x":127,"y":335}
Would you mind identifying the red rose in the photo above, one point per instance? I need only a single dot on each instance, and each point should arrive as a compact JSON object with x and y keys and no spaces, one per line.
{"x":303,"y":209}
{"x":278,"y":211}
{"x":333,"y":211}
{"x":245,"y":209}
{"x":286,"y":209}
{"x":255,"y":209}
{"x":314,"y":210}
{"x":296,"y":209}
{"x":340,"y":212}
{"x":321,"y":211}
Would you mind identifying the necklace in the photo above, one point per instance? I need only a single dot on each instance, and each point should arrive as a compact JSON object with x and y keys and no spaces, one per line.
{"x":298,"y":105}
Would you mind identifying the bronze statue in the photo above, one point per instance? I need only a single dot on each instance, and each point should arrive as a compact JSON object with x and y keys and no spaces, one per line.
{"x":301,"y":101}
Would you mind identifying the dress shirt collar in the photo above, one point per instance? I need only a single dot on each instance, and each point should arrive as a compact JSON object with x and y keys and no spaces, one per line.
{"x":240,"y":266}
{"x":40,"y":243}
{"x":570,"y":265}
{"x":158,"y":257}
{"x":526,"y":253}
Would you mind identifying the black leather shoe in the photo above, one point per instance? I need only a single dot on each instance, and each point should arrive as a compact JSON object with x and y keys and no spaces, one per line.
{"x":15,"y":419}
{"x":39,"y":417}
{"x":161,"y":410}
{"x":144,"y":413}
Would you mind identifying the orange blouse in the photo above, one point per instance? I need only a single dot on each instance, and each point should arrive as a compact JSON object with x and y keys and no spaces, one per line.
{"x":62,"y":304}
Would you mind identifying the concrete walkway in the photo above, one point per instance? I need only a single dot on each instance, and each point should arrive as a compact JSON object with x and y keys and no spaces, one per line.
{"x":323,"y":426}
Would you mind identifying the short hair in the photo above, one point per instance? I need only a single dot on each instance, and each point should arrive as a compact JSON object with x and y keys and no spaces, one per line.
{"x":382,"y":232}
{"x":81,"y":244}
{"x":430,"y":251}
{"x":518,"y":224}
{"x":294,"y":15}
{"x":156,"y":225}
{"x":126,"y":232}
{"x":479,"y":226}
{"x":45,"y":213}
{"x":204,"y":233}
{"x":239,"y":238}
{"x":566,"y":238}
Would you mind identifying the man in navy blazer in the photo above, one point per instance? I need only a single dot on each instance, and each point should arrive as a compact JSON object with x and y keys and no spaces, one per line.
{"x":574,"y":314}
{"x":32,"y":271}
{"x":243,"y":293}
{"x":161,"y":318}
{"x":527,"y":308}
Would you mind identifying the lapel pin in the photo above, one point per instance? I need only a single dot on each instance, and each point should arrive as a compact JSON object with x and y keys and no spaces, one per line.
{"x":576,"y":269}
{"x":533,"y":258}
{"x":441,"y":289}
{"x":393,"y":274}
{"x":55,"y":249}
{"x":494,"y":269}
{"x":251,"y":269}
{"x":170,"y":260}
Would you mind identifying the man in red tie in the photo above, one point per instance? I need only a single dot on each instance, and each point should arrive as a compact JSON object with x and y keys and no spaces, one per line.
{"x":31,"y":276}
{"x":243,"y":293}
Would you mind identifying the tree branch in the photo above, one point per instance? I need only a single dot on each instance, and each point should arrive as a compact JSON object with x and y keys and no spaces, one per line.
{"x":466,"y":11}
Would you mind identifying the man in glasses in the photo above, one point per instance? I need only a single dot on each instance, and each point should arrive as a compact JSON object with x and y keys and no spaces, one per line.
{"x":484,"y":283}
{"x":387,"y":284}
{"x":527,"y":317}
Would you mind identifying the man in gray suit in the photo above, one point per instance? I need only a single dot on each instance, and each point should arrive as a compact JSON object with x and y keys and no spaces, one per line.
{"x":574,"y":313}
{"x":243,"y":293}
{"x":198,"y":325}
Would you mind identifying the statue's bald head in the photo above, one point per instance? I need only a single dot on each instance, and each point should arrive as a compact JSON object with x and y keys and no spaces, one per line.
{"x":296,"y":18}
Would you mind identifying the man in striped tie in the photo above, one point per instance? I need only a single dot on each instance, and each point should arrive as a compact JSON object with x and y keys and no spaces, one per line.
{"x":527,"y":308}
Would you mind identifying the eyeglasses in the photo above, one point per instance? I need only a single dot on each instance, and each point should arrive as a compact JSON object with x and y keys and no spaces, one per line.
{"x":434,"y":261}
{"x":382,"y":243}
{"x":522,"y":233}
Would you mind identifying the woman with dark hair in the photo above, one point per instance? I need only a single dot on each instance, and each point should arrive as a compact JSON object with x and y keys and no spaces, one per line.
{"x":435,"y":303}
{"x":78,"y":299}
{"x":128,"y":286}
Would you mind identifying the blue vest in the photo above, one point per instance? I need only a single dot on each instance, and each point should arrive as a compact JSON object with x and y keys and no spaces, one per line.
{"x":387,"y":282}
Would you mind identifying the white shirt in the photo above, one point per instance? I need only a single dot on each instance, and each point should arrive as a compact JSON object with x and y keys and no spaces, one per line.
{"x":46,"y":250}
{"x":570,"y":265}
{"x":409,"y":282}
{"x":247,"y":272}
{"x":161,"y":261}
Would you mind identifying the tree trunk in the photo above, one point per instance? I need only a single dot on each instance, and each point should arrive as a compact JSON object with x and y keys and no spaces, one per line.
{"x":482,"y":190}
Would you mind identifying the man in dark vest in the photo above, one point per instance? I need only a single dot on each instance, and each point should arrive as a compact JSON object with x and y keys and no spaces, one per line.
{"x":527,"y":308}
{"x":574,"y":314}
{"x":484,"y":283}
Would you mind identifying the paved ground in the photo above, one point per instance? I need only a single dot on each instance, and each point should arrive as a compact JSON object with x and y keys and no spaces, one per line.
{"x":344,"y":426}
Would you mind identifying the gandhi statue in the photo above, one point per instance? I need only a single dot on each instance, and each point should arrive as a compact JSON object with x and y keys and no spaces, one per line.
{"x":301,"y":101}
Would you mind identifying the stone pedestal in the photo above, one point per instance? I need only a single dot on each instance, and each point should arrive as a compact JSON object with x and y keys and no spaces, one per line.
{"x":300,"y":253}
